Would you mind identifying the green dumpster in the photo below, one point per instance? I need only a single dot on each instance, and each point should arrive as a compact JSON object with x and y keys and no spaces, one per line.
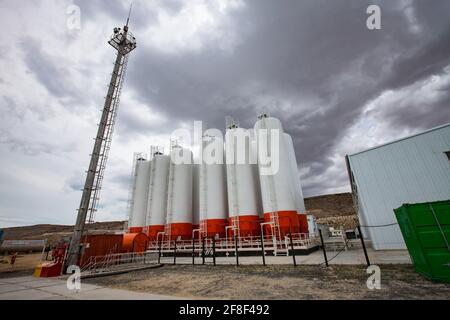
{"x":426,"y":230}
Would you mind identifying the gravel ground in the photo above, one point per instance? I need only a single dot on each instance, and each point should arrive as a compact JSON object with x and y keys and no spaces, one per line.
{"x":24,"y":266}
{"x":277,"y":282}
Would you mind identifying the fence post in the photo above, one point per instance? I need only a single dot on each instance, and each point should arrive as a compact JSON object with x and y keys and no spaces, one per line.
{"x":193,"y":251}
{"x":236,"y":249}
{"x":203,"y":250}
{"x":159,"y":251}
{"x":292,"y":249}
{"x":323,"y":247}
{"x":262,"y":250}
{"x":175,"y":253}
{"x":214,"y":250}
{"x":364,"y":246}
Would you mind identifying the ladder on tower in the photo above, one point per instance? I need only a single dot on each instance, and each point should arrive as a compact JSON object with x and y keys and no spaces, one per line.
{"x":106,"y":146}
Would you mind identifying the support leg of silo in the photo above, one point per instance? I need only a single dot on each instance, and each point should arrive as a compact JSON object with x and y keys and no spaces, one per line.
{"x":214,"y":250}
{"x":236,"y":249}
{"x":193,"y":251}
{"x":159,"y":251}
{"x":203,"y":250}
{"x":263,"y":254}
{"x":292,"y":249}
{"x":175,"y":253}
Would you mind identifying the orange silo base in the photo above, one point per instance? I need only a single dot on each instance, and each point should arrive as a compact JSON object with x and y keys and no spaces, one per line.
{"x":303,"y":223}
{"x":216,"y":226}
{"x":152,"y":231}
{"x":248,"y":226}
{"x":288,"y":221}
{"x":183,"y":230}
{"x":135,"y":229}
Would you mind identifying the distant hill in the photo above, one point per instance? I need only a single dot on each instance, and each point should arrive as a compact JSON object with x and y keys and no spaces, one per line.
{"x":53,"y":232}
{"x":334,"y":209}
{"x":330,"y":205}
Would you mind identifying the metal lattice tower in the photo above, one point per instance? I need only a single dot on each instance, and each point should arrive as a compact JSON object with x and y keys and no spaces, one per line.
{"x":124,"y":42}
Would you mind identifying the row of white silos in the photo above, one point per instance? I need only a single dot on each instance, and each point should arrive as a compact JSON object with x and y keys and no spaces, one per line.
{"x":212,"y":196}
{"x":162,"y":196}
{"x":250,"y":195}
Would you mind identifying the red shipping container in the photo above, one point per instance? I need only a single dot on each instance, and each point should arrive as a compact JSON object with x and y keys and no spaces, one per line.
{"x":100,"y":245}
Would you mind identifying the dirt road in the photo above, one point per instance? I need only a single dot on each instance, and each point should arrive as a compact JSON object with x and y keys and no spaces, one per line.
{"x":277,"y":282}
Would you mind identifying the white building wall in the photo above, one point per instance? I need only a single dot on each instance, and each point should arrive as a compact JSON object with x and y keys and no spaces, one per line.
{"x":411,"y":170}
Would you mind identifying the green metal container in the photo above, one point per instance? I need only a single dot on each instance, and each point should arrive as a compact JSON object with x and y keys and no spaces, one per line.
{"x":426,"y":230}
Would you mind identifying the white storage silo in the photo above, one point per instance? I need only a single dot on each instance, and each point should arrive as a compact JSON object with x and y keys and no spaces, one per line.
{"x":277,"y":190}
{"x":213,"y":189}
{"x":298,"y":194}
{"x":138,"y":208}
{"x":157,"y":195}
{"x":179,"y":195}
{"x":244,"y":201}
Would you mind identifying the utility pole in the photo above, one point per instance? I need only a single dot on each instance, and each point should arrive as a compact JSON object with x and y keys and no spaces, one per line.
{"x":124,"y":42}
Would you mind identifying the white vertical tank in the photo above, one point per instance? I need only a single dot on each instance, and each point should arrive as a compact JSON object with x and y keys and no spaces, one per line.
{"x":157,"y":195}
{"x":242,"y":181}
{"x":295,"y":177}
{"x":213,"y":188}
{"x":277,"y":190}
{"x":138,"y":208}
{"x":179,"y":195}
{"x":298,"y":194}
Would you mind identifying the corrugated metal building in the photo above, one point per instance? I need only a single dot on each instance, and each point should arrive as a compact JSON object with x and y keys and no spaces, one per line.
{"x":410,"y":170}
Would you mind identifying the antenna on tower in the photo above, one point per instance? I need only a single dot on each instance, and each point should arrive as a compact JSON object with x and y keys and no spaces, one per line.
{"x":129,"y":14}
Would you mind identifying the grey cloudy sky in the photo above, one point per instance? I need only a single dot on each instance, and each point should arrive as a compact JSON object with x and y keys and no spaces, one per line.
{"x":337,"y":86}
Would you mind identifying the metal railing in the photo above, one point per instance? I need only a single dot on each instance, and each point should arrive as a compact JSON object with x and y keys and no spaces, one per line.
{"x":301,"y":240}
{"x":118,"y":261}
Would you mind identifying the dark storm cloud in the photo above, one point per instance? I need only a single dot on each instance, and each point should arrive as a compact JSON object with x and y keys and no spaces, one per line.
{"x":298,"y":49}
{"x":56,"y":78}
{"x":428,"y":58}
